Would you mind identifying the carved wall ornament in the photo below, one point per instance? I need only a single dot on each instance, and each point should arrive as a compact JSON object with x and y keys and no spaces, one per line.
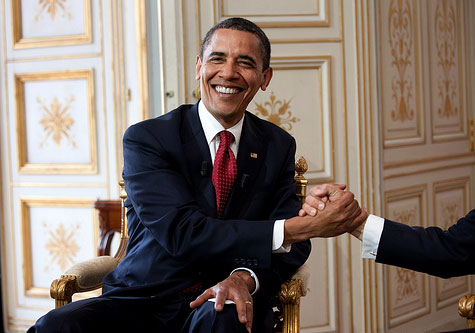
{"x":446,"y":44}
{"x":451,"y":212}
{"x":62,"y":246}
{"x":57,"y":121}
{"x":277,"y":112}
{"x":407,"y":285}
{"x":401,"y":43}
{"x":52,"y":7}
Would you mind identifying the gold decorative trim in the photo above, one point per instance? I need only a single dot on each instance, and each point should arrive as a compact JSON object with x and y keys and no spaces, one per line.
{"x":19,"y":42}
{"x":314,"y":62}
{"x":419,"y":192}
{"x":141,"y":41}
{"x":24,"y":166}
{"x":294,"y":24}
{"x":457,"y":26}
{"x":427,"y":160}
{"x":442,"y":186}
{"x":401,"y":63}
{"x":414,"y":172}
{"x":25,"y":222}
{"x":59,"y":57}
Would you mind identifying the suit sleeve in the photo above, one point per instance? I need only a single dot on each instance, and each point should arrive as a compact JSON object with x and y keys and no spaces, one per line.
{"x":443,"y":253}
{"x":162,"y":199}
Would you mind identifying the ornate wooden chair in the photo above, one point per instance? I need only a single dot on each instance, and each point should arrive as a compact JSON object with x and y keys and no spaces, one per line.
{"x":467,"y":309}
{"x":87,"y":275}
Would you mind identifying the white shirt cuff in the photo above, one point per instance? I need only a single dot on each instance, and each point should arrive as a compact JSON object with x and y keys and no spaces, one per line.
{"x":278,"y":238}
{"x":253,"y":275}
{"x":371,"y":235}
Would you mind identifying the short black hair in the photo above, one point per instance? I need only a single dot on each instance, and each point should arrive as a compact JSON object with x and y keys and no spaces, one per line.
{"x":238,"y":23}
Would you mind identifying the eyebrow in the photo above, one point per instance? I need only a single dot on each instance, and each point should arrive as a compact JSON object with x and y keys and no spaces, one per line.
{"x":241,"y":56}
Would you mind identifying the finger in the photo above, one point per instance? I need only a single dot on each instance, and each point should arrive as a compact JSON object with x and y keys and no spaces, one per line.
{"x":326,"y":189}
{"x":201,"y":299}
{"x":221,"y":297}
{"x":309,"y":210}
{"x":241,"y":308}
{"x":250,"y":316}
{"x":302,"y":212}
{"x":347,"y":198}
{"x":315,"y":203}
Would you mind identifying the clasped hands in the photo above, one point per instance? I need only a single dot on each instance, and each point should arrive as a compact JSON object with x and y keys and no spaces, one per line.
{"x":328,"y":211}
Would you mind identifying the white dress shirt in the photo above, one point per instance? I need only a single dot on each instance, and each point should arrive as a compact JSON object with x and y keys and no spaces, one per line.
{"x":371,"y":235}
{"x":211,"y":128}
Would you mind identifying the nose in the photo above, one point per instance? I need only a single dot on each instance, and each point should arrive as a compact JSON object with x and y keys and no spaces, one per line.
{"x":229,"y":70}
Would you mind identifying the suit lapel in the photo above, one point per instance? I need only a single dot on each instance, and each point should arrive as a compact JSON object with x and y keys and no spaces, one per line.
{"x":198,"y":160}
{"x":251,"y":154}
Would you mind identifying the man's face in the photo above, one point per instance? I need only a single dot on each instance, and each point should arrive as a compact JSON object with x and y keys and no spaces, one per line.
{"x":230,"y":74}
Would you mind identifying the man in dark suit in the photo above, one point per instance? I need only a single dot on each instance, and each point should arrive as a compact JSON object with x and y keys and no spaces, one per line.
{"x":190,"y":226}
{"x":443,"y":253}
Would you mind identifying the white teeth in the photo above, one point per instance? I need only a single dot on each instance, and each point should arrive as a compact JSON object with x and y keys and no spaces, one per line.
{"x":225,"y":90}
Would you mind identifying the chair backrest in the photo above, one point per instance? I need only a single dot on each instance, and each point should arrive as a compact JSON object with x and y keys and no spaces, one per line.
{"x":301,"y":190}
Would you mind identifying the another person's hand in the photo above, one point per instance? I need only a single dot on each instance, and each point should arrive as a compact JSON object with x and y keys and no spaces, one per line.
{"x":236,"y":288}
{"x":318,"y":197}
{"x":341,"y":214}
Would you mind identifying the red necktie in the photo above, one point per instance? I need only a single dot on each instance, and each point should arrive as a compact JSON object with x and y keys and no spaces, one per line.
{"x":224,"y":171}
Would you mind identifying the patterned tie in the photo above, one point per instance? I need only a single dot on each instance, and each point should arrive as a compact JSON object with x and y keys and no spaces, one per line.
{"x":224,"y":171}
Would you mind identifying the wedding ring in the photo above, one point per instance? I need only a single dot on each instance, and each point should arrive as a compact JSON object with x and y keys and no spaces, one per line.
{"x":248,"y":302}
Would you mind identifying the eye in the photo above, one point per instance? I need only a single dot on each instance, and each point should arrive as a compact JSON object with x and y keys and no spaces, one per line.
{"x":216,"y":60}
{"x":246,"y":63}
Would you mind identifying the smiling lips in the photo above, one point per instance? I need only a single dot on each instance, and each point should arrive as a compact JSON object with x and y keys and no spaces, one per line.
{"x":226,"y":90}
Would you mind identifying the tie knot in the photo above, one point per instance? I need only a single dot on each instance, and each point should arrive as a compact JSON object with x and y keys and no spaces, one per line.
{"x":226,"y":138}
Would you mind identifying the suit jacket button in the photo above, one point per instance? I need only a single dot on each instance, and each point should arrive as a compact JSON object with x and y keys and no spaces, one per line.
{"x":243,"y":262}
{"x":236,"y":261}
{"x":249,"y":262}
{"x":255,"y":262}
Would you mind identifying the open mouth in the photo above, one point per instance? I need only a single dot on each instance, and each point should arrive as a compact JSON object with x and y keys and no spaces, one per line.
{"x":227,"y":90}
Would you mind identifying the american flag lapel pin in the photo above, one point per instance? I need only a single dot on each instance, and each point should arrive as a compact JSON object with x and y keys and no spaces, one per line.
{"x":253,"y":155}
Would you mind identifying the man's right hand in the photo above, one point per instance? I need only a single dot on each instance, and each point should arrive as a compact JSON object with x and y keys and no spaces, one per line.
{"x":341,"y":214}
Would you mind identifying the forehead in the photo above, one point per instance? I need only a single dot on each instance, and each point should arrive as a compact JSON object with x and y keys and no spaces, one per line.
{"x":234,"y":42}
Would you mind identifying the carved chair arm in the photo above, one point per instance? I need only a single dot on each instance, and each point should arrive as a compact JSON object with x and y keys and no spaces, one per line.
{"x":81,"y":277}
{"x":289,"y":295}
{"x":467,"y":309}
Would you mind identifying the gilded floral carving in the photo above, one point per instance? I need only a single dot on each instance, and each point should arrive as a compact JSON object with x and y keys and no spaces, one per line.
{"x":401,"y":43}
{"x":57,"y":121}
{"x":277,"y":112}
{"x":451,"y":212}
{"x":62,"y":246}
{"x":446,"y":46}
{"x":406,"y":284}
{"x":52,"y":7}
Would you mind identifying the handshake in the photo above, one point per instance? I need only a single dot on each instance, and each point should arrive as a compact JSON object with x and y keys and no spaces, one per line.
{"x":328,"y":211}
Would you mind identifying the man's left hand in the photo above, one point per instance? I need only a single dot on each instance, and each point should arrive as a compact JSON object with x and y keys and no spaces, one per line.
{"x":236,"y":288}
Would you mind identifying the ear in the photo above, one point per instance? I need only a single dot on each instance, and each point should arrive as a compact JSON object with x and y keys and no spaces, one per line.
{"x":267,"y":77}
{"x":198,"y":68}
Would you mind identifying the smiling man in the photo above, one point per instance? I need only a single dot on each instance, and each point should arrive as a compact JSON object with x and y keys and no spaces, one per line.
{"x":209,"y":187}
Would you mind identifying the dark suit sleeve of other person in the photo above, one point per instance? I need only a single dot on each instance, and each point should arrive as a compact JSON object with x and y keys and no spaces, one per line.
{"x":443,"y":253}
{"x":172,"y":209}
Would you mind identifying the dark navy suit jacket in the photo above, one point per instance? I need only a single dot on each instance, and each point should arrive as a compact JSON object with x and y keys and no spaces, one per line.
{"x":175,"y":238}
{"x":443,"y":253}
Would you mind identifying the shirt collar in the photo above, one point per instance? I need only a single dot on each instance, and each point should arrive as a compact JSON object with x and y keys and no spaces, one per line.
{"x":211,"y":126}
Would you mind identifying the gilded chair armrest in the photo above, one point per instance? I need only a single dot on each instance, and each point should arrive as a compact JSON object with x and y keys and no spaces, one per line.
{"x":289,"y":295}
{"x":296,"y":287}
{"x":81,"y":277}
{"x":467,"y":309}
